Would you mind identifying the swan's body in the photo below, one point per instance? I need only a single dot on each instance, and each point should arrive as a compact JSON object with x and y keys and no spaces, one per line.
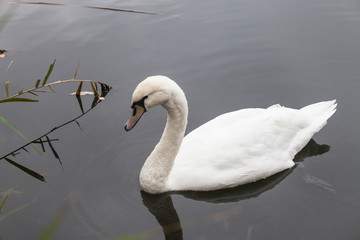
{"x":233,"y":149}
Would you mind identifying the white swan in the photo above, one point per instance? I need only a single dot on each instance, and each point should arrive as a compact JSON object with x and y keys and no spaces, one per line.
{"x":233,"y":149}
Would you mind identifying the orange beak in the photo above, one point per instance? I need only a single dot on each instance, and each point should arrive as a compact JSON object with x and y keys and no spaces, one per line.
{"x":138,"y":111}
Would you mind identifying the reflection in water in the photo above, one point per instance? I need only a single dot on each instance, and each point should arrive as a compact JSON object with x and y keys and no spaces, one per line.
{"x":92,"y":7}
{"x":161,"y":205}
{"x":45,"y":140}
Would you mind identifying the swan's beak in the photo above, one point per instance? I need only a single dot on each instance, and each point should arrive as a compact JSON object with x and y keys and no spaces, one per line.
{"x":138,"y":111}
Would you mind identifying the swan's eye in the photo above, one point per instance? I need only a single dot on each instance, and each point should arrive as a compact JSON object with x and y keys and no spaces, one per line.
{"x":140,"y":103}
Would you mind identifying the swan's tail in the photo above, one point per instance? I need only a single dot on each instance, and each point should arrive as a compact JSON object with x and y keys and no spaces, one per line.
{"x":317,"y":115}
{"x":320,"y":112}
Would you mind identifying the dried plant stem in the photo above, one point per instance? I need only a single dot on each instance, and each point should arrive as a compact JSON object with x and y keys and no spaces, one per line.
{"x":14,"y":98}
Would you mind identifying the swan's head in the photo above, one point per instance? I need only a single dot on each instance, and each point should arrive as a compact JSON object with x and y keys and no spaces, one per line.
{"x":153,"y":91}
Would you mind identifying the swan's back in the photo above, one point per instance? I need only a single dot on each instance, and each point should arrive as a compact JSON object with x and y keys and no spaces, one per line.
{"x":245,"y":146}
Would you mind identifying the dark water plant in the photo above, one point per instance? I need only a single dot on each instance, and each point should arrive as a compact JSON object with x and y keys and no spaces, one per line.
{"x":44,"y":140}
{"x":40,"y":85}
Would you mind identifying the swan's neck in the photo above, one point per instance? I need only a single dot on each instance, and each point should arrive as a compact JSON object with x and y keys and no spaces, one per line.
{"x":158,"y":165}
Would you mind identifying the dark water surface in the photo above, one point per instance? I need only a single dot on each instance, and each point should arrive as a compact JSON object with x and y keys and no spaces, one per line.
{"x":226,"y":55}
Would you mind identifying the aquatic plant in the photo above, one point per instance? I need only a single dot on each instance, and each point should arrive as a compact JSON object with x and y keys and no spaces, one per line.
{"x":5,"y":195}
{"x":44,"y":139}
{"x":41,"y":84}
{"x":55,"y":222}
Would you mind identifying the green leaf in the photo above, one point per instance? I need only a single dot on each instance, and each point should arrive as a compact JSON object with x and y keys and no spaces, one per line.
{"x":49,"y":72}
{"x":10,"y":126}
{"x":249,"y":233}
{"x":15,"y":99}
{"x":17,"y":210}
{"x":37,"y":83}
{"x":2,"y":119}
{"x":54,"y":223}
{"x":3,"y":202}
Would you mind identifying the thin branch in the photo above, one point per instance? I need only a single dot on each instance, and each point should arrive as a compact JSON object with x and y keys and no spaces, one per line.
{"x":39,"y":139}
{"x":35,"y":89}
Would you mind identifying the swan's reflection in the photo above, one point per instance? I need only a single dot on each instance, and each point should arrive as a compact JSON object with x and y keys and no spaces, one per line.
{"x":161,"y":205}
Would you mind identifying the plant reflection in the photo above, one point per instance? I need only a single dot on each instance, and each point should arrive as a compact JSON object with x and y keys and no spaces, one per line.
{"x":44,"y":139}
{"x":161,"y":205}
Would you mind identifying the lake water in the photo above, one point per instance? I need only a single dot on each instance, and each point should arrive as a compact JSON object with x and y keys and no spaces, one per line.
{"x":226,"y":55}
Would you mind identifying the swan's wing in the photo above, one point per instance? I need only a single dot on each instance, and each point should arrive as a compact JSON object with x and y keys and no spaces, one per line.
{"x":239,"y":147}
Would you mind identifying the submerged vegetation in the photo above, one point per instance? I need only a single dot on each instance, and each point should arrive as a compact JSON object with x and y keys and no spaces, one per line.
{"x":45,"y":142}
{"x":44,"y":139}
{"x":5,"y":195}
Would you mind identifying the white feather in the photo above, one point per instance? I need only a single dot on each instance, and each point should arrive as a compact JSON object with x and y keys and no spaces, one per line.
{"x":233,"y":149}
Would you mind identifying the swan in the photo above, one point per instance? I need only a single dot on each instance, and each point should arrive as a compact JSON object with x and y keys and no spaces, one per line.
{"x":232,"y":149}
